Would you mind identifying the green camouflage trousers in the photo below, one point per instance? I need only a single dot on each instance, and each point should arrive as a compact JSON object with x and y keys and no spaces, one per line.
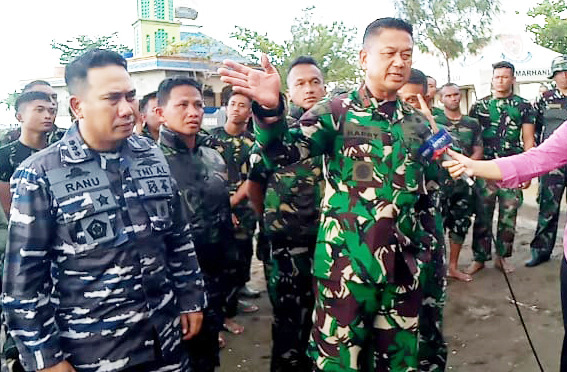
{"x":509,"y":201}
{"x":432,"y":351}
{"x":290,"y":287}
{"x":457,"y":207}
{"x":365,"y":326}
{"x":551,"y":187}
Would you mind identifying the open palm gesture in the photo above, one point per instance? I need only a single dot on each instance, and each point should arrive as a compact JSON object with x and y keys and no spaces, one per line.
{"x":263,"y":86}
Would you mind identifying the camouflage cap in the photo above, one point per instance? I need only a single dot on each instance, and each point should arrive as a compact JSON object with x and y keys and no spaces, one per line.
{"x":559,"y":63}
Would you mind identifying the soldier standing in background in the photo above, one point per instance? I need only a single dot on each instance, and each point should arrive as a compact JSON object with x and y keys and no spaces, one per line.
{"x":234,"y":143}
{"x":376,"y":218}
{"x":101,"y":273}
{"x":200,"y":173}
{"x":457,"y":198}
{"x":551,"y":110}
{"x":432,"y":349}
{"x":36,"y":113}
{"x":288,"y":200}
{"x":431,"y":94}
{"x":151,"y":121}
{"x":506,"y":121}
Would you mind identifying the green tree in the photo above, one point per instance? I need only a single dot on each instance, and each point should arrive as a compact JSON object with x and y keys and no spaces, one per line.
{"x":80,"y":44}
{"x":10,"y":100}
{"x":553,"y":33}
{"x":450,"y":28}
{"x":332,"y":46}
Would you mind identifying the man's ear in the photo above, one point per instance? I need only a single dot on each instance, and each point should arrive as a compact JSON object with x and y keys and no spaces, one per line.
{"x":159,"y":113}
{"x":18,"y":117}
{"x":362,"y":58}
{"x":75,"y":105}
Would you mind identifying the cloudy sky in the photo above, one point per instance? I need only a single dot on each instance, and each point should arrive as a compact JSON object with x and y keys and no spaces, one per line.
{"x":28,"y":26}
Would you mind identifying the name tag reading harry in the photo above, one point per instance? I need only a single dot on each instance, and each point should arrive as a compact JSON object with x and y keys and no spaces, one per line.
{"x":353,"y":130}
{"x":554,"y":106}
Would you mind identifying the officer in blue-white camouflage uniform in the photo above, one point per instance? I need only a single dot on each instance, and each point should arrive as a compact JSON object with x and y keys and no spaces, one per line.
{"x":101,"y":273}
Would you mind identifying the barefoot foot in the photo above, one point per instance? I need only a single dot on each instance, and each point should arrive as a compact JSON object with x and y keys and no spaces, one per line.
{"x":501,"y":264}
{"x":475,"y":267}
{"x":459,"y":275}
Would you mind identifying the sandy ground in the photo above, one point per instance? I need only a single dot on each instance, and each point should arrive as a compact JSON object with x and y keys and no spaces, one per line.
{"x":481,"y":324}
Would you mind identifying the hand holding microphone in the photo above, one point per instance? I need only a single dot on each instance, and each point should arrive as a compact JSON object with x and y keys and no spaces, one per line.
{"x":437,"y":145}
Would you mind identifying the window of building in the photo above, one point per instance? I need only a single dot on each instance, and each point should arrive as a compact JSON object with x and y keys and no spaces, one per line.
{"x":145,"y":9}
{"x":161,"y":40}
{"x":171,"y":10}
{"x":159,"y":7}
{"x":148,"y":46}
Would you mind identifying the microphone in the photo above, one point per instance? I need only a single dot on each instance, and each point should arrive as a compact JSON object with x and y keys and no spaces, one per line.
{"x":435,"y":146}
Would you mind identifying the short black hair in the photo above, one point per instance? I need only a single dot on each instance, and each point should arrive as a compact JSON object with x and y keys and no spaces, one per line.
{"x":146,"y":99}
{"x":233,"y":93}
{"x":418,"y":78}
{"x":168,"y":84}
{"x":302,"y":60}
{"x":30,"y":96}
{"x":504,"y":64}
{"x":32,"y":84}
{"x":76,"y":71}
{"x":388,"y":22}
{"x":446,"y":85}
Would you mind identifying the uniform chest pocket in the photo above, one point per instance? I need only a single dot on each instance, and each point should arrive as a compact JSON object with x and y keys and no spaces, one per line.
{"x":153,"y":186}
{"x":87,"y":207}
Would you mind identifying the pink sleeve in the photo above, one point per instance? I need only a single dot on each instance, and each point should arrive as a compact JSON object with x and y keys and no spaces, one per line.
{"x":551,"y":154}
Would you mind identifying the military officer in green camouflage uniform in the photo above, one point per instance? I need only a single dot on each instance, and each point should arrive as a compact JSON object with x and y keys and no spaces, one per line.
{"x":457,"y":198}
{"x":431,"y":95}
{"x":234,"y":143}
{"x":289,"y":199}
{"x":551,"y":110}
{"x":507,"y":121}
{"x":201,"y":176}
{"x":150,"y":119}
{"x":432,"y":351}
{"x":376,"y":215}
{"x":101,"y":272}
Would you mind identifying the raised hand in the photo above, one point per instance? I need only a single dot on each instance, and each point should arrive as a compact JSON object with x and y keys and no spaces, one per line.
{"x":427,"y":112}
{"x":263,"y":86}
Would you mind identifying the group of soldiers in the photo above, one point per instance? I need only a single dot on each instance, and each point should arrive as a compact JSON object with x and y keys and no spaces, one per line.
{"x":128,"y":252}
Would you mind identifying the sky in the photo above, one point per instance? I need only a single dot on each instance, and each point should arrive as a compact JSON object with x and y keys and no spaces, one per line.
{"x":28,"y":26}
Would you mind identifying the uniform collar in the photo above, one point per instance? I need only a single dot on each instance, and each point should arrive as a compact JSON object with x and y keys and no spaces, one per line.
{"x":368,"y":101}
{"x":73,"y":148}
{"x":171,"y":139}
{"x":295,"y":111}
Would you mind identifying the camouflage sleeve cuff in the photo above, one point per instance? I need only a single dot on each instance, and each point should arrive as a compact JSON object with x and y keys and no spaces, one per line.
{"x":265,"y":132}
{"x":258,"y":172}
{"x":32,"y":360}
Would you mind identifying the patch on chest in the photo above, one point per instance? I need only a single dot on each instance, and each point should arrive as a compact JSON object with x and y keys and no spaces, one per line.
{"x":353,"y":130}
{"x":362,"y":171}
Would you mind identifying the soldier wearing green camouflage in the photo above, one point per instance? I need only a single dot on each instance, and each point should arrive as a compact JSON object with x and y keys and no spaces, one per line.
{"x":150,"y":120}
{"x":291,"y":209}
{"x":376,"y":215}
{"x":457,"y":198}
{"x":432,"y":348}
{"x":506,"y":121}
{"x":551,"y":110}
{"x":234,"y":143}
